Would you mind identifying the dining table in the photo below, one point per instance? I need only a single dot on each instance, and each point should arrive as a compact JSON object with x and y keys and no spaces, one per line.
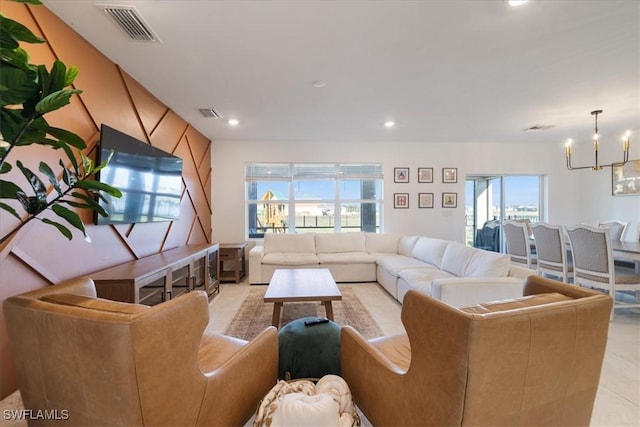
{"x":624,"y":250}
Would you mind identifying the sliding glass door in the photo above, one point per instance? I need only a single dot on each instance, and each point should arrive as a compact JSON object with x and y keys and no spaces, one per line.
{"x":490,"y":199}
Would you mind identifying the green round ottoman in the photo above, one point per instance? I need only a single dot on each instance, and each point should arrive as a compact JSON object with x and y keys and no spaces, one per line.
{"x":308,"y":351}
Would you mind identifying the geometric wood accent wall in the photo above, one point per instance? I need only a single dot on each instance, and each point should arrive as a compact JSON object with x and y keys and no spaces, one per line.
{"x":38,"y":255}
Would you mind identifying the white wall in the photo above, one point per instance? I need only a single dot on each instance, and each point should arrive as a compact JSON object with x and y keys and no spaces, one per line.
{"x":573,"y":196}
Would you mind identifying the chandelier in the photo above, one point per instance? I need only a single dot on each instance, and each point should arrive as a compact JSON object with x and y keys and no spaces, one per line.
{"x":596,"y":147}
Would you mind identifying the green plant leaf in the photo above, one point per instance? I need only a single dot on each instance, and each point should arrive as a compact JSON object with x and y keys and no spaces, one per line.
{"x":18,"y":57}
{"x":34,"y":2}
{"x":70,"y":216}
{"x":67,"y":137}
{"x":46,"y":170}
{"x":56,"y":100}
{"x":58,"y":77}
{"x":44,"y":79}
{"x":87,"y":165}
{"x":61,"y":228}
{"x":21,"y":86}
{"x":91,"y":202}
{"x":68,"y":176}
{"x":5,"y":167}
{"x":35,"y":131}
{"x":9,"y":190}
{"x":95,"y":186}
{"x":104,"y":163}
{"x":10,"y":123}
{"x":72,"y":73}
{"x":7,"y":41}
{"x":18,"y":31}
{"x":9,"y":209}
{"x":36,"y":184}
{"x":32,"y":205}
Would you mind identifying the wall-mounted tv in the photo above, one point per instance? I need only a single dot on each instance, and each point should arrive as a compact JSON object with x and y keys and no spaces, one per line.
{"x":150,"y":180}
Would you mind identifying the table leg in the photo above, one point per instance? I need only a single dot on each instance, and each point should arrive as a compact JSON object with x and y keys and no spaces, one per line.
{"x":329,"y":309}
{"x":275,"y":320}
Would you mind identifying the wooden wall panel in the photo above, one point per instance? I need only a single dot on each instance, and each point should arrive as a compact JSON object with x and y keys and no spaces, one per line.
{"x":38,"y":255}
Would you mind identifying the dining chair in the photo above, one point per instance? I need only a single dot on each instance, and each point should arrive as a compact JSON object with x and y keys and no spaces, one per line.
{"x":593,"y":266}
{"x":616,"y":228}
{"x":552,"y":251}
{"x":517,"y":242}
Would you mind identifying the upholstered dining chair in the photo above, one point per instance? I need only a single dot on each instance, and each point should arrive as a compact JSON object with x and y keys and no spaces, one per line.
{"x":594,"y":267}
{"x":113,"y":363}
{"x":552,"y":251}
{"x":518,"y":246}
{"x":534,"y":360}
{"x":616,"y":228}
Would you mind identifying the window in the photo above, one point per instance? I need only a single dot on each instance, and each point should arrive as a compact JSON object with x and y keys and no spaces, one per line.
{"x":313,"y":197}
{"x":492,"y":199}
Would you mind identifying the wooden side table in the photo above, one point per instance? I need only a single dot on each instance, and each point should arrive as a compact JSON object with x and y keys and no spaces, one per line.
{"x":233,"y":254}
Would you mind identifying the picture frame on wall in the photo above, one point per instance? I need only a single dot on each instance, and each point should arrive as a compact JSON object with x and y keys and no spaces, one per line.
{"x":425,"y":200}
{"x":449,"y":200}
{"x":425,"y":175}
{"x":450,"y":175}
{"x":401,"y":175}
{"x":401,"y":200}
{"x":625,"y":179}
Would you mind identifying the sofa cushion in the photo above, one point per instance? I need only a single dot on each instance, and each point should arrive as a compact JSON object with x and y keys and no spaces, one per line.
{"x":488,"y":264}
{"x":396,"y":263}
{"x":516,"y":303}
{"x":430,"y":250}
{"x":421,"y":276}
{"x":340,"y":242}
{"x":382,"y":242}
{"x":347,"y":258}
{"x":456,"y":258}
{"x":290,"y":258}
{"x":405,"y":247}
{"x":296,"y":243}
{"x":94,"y":303}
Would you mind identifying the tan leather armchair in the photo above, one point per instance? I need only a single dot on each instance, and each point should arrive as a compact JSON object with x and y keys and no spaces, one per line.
{"x":112,"y":363}
{"x":531,"y":361}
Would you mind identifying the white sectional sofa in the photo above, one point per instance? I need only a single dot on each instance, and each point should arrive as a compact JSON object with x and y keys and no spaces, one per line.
{"x":447,"y":270}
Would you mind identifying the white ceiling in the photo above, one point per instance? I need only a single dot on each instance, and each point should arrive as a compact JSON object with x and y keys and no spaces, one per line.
{"x":444,"y":71}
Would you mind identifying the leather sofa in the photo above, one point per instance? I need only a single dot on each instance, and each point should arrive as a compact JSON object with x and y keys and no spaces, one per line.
{"x":450,"y":271}
{"x":88,"y":361}
{"x":534,"y":360}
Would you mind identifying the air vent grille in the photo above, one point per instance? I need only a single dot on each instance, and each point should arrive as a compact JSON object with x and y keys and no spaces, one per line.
{"x":209,"y":113}
{"x":128,"y":18}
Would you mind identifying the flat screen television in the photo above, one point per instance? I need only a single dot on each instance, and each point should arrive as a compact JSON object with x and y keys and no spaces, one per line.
{"x":150,"y":180}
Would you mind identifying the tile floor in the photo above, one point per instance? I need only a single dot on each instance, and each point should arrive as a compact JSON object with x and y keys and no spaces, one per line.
{"x":618,"y":400}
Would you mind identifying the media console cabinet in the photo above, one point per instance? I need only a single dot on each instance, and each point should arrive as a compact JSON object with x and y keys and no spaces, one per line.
{"x":161,"y":277}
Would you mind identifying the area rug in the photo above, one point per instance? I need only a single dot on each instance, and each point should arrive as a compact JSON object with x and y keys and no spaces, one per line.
{"x":255,"y":315}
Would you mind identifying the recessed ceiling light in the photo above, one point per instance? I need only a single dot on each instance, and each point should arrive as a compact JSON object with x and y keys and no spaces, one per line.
{"x":515,"y":3}
{"x":319,"y":83}
{"x":233,"y":122}
{"x":389,"y":124}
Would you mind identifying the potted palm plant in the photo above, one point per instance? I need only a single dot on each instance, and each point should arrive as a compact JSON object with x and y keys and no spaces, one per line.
{"x":27,"y":93}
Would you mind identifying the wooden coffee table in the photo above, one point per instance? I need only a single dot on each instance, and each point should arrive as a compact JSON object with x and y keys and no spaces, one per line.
{"x":300,"y":285}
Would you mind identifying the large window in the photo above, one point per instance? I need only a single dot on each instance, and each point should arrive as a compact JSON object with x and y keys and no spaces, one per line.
{"x":313,"y":197}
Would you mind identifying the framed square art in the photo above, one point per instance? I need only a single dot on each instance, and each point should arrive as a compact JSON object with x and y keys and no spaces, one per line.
{"x":450,"y":175}
{"x":449,"y":200}
{"x":625,"y":179}
{"x":401,"y":200}
{"x":425,"y":174}
{"x":401,"y":175}
{"x":425,"y":200}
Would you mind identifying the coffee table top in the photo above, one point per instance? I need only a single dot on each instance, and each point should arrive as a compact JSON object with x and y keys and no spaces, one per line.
{"x":302,"y":284}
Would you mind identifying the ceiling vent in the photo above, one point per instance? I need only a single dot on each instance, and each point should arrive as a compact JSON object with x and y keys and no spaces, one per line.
{"x":129,"y":19}
{"x":209,"y":113}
